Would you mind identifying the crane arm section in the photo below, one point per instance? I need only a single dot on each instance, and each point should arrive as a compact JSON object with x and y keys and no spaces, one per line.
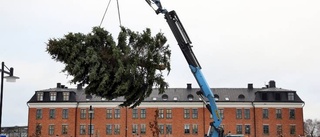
{"x":184,"y":43}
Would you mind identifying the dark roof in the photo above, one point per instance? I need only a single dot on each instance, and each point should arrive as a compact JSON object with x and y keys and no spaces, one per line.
{"x":182,"y":95}
{"x":171,"y":94}
{"x":276,"y":90}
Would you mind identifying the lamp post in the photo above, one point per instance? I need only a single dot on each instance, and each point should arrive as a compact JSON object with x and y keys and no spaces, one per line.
{"x":90,"y":113}
{"x":9,"y":78}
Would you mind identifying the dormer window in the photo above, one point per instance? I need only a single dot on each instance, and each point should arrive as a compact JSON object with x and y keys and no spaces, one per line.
{"x":190,"y":97}
{"x":291,"y":96}
{"x":165,"y":97}
{"x":65,"y":96}
{"x":53,"y":96}
{"x":264,"y":96}
{"x":175,"y":98}
{"x":216,"y":97}
{"x":277,"y":96}
{"x":241,"y":97}
{"x":40,"y":96}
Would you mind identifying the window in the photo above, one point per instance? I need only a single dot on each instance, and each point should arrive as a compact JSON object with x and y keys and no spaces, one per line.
{"x":91,"y":129}
{"x":216,"y":97}
{"x":265,"y":113}
{"x":278,"y":113}
{"x":190,"y":97}
{"x":264,"y":96}
{"x":165,"y":97}
{"x":134,"y":113}
{"x":143,"y":113}
{"x":169,"y":129}
{"x":109,"y":113}
{"x":241,"y":97}
{"x":83,"y":113}
{"x":40,"y":96}
{"x":186,"y":113}
{"x":194,"y":129}
{"x":109,"y":129}
{"x":292,"y":113}
{"x":292,"y":129}
{"x":65,"y":113}
{"x":247,"y":129}
{"x":175,"y":98}
{"x":169,"y":113}
{"x":194,"y":113}
{"x":279,"y":130}
{"x":161,"y":113}
{"x":247,"y":113}
{"x":53,"y":96}
{"x":143,"y":129}
{"x":38,"y":128}
{"x":117,"y":113}
{"x":134,"y":128}
{"x":187,"y":129}
{"x":65,"y":96}
{"x":221,"y":113}
{"x":82,"y":129}
{"x":161,"y":128}
{"x":39,"y":114}
{"x":290,"y":96}
{"x":117,"y":129}
{"x":239,"y":114}
{"x":239,"y":129}
{"x":51,"y":129}
{"x":277,"y":96}
{"x":64,"y":129}
{"x":265,"y":129}
{"x":52,"y":113}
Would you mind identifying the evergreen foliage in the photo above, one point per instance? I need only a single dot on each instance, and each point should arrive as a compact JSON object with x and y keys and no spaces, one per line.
{"x":130,"y":68}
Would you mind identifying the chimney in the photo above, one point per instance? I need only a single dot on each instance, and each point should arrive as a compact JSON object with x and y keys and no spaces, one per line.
{"x":250,"y":86}
{"x":272,"y":84}
{"x":58,"y":85}
{"x":189,"y":86}
{"x":62,"y":86}
{"x":79,"y":87}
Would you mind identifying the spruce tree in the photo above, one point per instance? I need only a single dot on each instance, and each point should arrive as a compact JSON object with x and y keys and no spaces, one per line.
{"x":129,"y":68}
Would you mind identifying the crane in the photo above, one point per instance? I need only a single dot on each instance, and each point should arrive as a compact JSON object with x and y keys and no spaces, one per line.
{"x":184,"y":43}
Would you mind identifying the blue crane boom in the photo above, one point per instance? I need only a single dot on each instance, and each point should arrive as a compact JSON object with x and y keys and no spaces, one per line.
{"x":184,"y":43}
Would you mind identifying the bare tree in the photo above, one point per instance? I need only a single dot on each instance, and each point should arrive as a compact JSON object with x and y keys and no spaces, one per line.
{"x":154,"y":127}
{"x":312,"y":128}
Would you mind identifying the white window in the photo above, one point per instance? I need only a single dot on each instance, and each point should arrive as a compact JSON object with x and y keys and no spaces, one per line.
{"x":51,"y":129}
{"x":82,"y":129}
{"x":143,"y":129}
{"x":65,"y":96}
{"x":134,"y":128}
{"x":40,"y":96}
{"x":53,"y":96}
{"x":291,"y":96}
{"x":187,"y":129}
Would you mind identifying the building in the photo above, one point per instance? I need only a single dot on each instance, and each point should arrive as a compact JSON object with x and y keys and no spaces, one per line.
{"x":15,"y":131}
{"x":179,"y":112}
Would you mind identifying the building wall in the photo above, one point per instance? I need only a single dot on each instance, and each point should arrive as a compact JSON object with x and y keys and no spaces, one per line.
{"x":177,"y":121}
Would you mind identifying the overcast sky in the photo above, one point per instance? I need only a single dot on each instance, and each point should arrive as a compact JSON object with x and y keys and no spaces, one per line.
{"x":236,"y":42}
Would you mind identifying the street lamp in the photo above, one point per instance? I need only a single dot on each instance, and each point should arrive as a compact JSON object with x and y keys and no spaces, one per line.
{"x":9,"y":78}
{"x":90,"y":113}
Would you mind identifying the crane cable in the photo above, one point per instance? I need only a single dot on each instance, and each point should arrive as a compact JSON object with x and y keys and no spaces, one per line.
{"x":107,"y":10}
{"x":119,"y":12}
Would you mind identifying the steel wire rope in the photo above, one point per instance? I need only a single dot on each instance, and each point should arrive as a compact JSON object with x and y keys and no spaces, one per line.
{"x":119,"y":12}
{"x":105,"y":12}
